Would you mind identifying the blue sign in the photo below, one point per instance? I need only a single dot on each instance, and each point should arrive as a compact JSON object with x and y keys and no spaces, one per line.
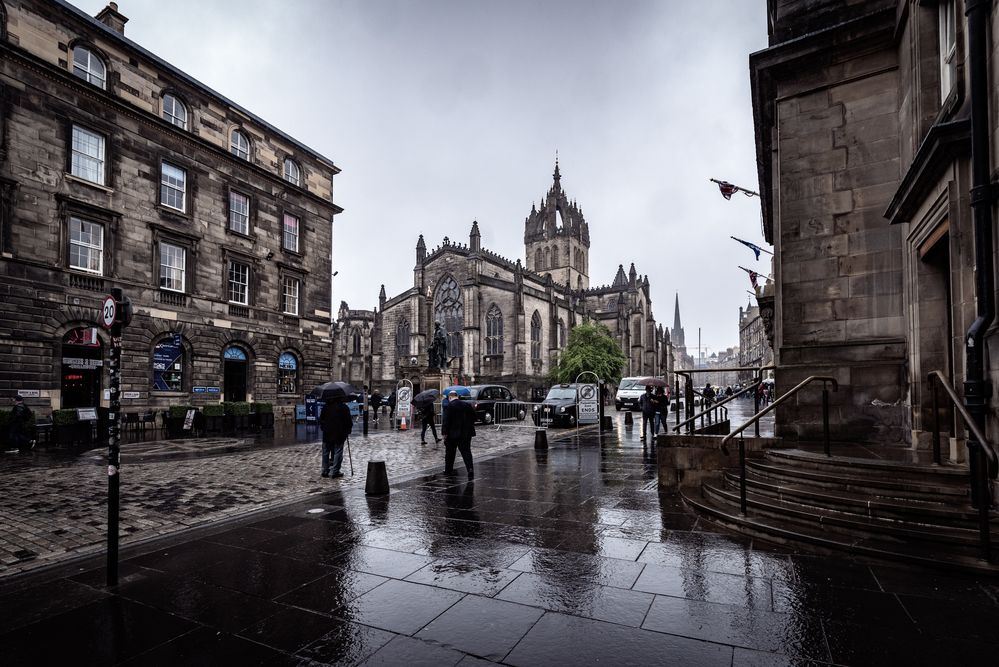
{"x":199,"y":390}
{"x":214,"y":390}
{"x":168,"y":364}
{"x":311,"y":409}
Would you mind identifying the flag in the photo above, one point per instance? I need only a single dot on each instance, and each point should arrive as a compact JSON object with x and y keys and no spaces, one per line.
{"x":727,"y":189}
{"x":752,"y":246}
{"x":753,"y":275}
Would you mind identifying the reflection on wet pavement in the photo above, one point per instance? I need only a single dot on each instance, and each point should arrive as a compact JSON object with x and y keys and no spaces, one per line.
{"x":568,"y":556}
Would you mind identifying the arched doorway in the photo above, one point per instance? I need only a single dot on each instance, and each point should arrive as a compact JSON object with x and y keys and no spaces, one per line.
{"x":82,"y":363}
{"x":235,"y":373}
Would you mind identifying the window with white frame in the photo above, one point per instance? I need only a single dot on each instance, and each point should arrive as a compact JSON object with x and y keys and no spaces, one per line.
{"x":174,"y":111}
{"x":86,"y":246}
{"x":289,"y":295}
{"x":173,"y":186}
{"x":89,"y":67}
{"x":239,"y":212}
{"x":947,"y":27}
{"x":87,"y":160}
{"x":239,"y":283}
{"x":239,"y":145}
{"x":292,"y":172}
{"x":289,"y":239}
{"x":173,"y":267}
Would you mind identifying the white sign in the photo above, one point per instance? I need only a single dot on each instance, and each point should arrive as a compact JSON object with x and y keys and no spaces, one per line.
{"x":589,"y":410}
{"x":108,"y":311}
{"x":403,"y":402}
{"x":28,"y":393}
{"x":130,"y":394}
{"x":189,"y":420}
{"x":86,"y":414}
{"x":78,"y":364}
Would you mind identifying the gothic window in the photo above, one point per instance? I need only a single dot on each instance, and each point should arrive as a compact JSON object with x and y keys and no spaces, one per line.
{"x":402,"y":340}
{"x":568,"y":257}
{"x":561,"y":333}
{"x":554,"y":256}
{"x":356,"y":342}
{"x":494,"y":330}
{"x":548,"y":259}
{"x":536,"y":337}
{"x":538,"y":265}
{"x":448,"y":310}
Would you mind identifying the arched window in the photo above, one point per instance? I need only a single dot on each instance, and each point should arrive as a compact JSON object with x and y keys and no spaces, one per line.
{"x":239,"y":145}
{"x":554,"y":256}
{"x":88,"y":66}
{"x":356,"y":342}
{"x":548,"y":259}
{"x":561,"y":333}
{"x":536,"y":337}
{"x":292,"y":172}
{"x":538,"y":260}
{"x":448,"y":310}
{"x":174,"y":111}
{"x":402,"y":341}
{"x":288,"y":373}
{"x":568,"y":256}
{"x":494,"y":330}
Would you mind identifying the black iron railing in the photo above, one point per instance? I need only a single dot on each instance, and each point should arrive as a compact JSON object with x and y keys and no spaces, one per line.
{"x":983,"y":461}
{"x":825,"y":380}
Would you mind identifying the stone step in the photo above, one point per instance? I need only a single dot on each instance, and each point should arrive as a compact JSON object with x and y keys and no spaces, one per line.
{"x":819,"y":539}
{"x":893,"y":487}
{"x":847,"y":526}
{"x":916,"y":511}
{"x":856,"y":466}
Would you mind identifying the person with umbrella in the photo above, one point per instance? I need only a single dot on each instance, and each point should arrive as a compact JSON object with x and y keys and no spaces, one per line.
{"x":336,"y":424}
{"x":424,"y":403}
{"x":648,"y":405}
{"x":459,"y":429}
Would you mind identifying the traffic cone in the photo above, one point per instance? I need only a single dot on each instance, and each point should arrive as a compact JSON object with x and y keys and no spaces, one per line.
{"x":402,"y":424}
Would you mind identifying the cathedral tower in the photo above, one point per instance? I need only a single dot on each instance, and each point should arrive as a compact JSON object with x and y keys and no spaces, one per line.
{"x":557,"y":238}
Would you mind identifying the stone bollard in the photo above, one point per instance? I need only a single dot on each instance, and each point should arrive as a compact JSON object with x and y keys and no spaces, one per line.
{"x":376,"y":483}
{"x":541,"y":439}
{"x":628,"y":419}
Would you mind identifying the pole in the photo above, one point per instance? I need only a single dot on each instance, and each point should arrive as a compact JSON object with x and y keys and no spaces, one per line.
{"x":114,"y":441}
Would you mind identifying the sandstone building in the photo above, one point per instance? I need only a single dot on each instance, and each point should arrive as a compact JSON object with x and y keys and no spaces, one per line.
{"x":119,"y":170}
{"x":866,"y":143}
{"x":506,"y":320}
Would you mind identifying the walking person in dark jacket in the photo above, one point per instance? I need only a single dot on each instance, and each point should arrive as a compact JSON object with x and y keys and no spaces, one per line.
{"x":17,"y":426}
{"x":662,"y":410}
{"x":647,"y":403}
{"x":427,"y":416}
{"x":336,"y":424}
{"x":459,"y":429}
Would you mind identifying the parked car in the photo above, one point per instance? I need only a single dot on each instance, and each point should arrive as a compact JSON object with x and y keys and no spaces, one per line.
{"x":628,"y":393}
{"x":494,"y":402}
{"x":559,"y":406}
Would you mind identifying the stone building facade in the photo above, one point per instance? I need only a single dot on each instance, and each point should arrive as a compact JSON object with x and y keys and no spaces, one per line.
{"x":119,"y":170}
{"x":754,"y":348}
{"x":864,"y":145}
{"x":506,"y":322}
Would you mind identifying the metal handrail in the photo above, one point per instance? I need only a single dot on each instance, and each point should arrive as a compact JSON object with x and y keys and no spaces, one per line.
{"x":756,"y":418}
{"x":720,"y":403}
{"x":983,"y":460}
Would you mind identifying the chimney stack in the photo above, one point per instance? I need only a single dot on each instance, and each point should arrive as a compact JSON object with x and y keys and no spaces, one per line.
{"x":110,"y":17}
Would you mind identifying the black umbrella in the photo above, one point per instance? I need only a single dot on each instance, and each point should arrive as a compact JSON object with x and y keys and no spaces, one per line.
{"x":653,"y":382}
{"x":425,"y":397}
{"x":334,"y":390}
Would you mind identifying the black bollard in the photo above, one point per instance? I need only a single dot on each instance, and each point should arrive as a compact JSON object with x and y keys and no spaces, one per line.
{"x":541,"y":439}
{"x":607,"y":423}
{"x":376,"y":483}
{"x":628,"y":419}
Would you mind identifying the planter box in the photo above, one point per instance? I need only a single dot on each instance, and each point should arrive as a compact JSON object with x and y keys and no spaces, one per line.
{"x":214,"y":423}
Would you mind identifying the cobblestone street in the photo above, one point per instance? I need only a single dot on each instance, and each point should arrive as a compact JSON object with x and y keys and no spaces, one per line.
{"x":54,"y":503}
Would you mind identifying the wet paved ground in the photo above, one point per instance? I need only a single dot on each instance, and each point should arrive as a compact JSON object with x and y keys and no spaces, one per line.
{"x":54,"y":501}
{"x":568,"y":556}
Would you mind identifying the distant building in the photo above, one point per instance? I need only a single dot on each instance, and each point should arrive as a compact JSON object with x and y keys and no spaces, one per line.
{"x":119,"y":170}
{"x":506,"y":321}
{"x":754,"y":348}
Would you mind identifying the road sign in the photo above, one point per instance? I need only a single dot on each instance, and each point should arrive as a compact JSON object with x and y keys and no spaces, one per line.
{"x":108,"y":311}
{"x":404,"y":396}
{"x":589,"y":410}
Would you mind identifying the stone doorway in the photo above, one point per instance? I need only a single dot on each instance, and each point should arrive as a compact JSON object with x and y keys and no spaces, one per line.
{"x":82,"y":364}
{"x":935,"y":326}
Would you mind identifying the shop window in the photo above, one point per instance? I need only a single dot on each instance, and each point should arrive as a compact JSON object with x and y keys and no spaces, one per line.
{"x":287,"y":373}
{"x":168,"y":364}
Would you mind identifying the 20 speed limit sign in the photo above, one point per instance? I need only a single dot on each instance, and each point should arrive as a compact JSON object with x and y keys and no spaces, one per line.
{"x":108,"y":312}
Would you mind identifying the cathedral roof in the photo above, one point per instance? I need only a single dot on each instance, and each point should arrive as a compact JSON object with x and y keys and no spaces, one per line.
{"x":542,"y":222}
{"x":621,"y":280}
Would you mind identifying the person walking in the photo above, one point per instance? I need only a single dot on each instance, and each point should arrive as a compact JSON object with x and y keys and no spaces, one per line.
{"x":459,"y":429}
{"x":662,"y":410}
{"x":376,"y":404}
{"x":647,"y":403}
{"x":427,"y":417}
{"x":336,"y":423}
{"x":709,"y":399}
{"x":17,"y":426}
{"x":391,"y":405}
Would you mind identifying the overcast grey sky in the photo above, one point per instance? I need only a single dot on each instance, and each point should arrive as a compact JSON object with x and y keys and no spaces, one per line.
{"x":444,"y":111}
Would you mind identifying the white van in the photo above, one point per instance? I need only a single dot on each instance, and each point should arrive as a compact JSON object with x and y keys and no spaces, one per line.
{"x":628,"y":393}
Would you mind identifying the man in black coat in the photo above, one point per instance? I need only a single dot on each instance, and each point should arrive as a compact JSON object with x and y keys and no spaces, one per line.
{"x":336,"y":424}
{"x":459,"y":428}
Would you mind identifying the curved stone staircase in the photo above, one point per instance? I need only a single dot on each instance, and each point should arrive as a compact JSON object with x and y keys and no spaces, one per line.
{"x":873,"y":507}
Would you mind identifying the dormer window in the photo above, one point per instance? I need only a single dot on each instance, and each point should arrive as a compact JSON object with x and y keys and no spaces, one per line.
{"x":89,"y":67}
{"x":174,"y":111}
{"x":947,"y":27}
{"x":292,"y":172}
{"x":239,"y":145}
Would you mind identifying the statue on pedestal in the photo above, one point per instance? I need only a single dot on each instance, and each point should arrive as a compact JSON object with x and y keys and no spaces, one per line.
{"x":438,"y":349}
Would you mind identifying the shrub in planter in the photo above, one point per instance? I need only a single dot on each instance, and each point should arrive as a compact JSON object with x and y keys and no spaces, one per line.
{"x":214,"y":417}
{"x":237,"y":412}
